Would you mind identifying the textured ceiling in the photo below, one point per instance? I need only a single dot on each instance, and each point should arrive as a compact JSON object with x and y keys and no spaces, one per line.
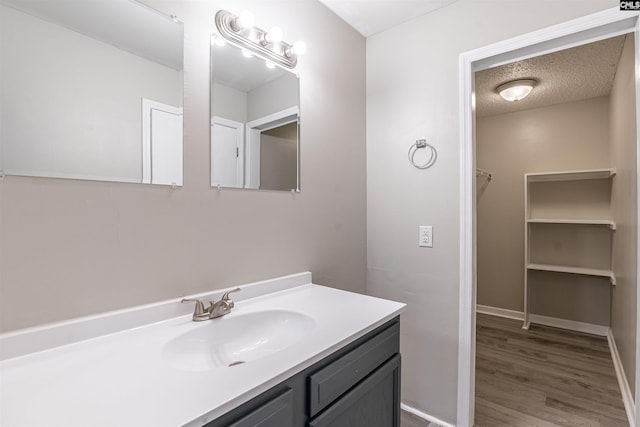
{"x":373,"y":16}
{"x":574,"y":74}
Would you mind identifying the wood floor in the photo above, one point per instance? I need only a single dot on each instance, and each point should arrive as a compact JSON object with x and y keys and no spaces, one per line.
{"x":543,"y":377}
{"x":409,"y":420}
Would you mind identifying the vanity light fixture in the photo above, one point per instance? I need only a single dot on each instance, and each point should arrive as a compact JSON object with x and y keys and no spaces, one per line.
{"x":240,"y":30}
{"x":516,"y":90}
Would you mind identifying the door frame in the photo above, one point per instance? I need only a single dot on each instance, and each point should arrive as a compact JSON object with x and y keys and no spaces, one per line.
{"x":587,"y":29}
{"x":253,"y":130}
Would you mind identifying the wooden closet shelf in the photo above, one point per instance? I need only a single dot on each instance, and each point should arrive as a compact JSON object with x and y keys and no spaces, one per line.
{"x":604,"y":222}
{"x":571,"y":175}
{"x":574,"y":270}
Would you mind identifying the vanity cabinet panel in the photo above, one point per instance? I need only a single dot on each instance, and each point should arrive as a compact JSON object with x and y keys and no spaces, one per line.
{"x":278,"y":412}
{"x":332,"y":381}
{"x":356,"y":386}
{"x":372,"y":403}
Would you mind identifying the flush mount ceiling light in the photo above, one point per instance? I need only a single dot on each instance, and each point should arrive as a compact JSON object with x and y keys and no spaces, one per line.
{"x":516,"y":90}
{"x":269,"y":45}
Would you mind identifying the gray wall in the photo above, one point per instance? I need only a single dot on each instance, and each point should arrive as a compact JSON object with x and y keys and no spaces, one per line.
{"x":412,"y":92}
{"x":72,"y":248}
{"x":624,"y":140}
{"x":229,"y":103}
{"x":568,"y":136}
{"x":278,"y":158}
{"x":273,"y":97}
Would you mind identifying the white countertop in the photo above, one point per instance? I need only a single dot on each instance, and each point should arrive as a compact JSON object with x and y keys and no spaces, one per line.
{"x":121,"y":379}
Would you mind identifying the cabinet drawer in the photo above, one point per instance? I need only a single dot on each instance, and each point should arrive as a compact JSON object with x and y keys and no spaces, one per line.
{"x":278,"y":412}
{"x":372,"y":403}
{"x":332,"y":381}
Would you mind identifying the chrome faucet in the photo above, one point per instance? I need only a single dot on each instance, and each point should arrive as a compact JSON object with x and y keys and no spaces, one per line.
{"x":199,"y":313}
{"x":214,"y":310}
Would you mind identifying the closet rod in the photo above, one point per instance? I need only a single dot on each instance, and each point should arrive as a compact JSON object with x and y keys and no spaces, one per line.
{"x":482,"y":172}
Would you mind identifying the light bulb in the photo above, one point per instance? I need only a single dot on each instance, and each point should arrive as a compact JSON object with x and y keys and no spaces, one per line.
{"x":299,"y":47}
{"x":275,"y":35}
{"x":270,"y":64}
{"x":245,"y":19}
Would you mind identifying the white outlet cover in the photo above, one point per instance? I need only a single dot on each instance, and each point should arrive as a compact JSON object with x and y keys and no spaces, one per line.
{"x":425,"y":236}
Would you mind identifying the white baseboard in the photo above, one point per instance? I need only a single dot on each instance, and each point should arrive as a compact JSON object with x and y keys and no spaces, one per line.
{"x":627,"y":396}
{"x":500,"y":312}
{"x":424,"y":416}
{"x":555,"y":322}
{"x":572,"y":325}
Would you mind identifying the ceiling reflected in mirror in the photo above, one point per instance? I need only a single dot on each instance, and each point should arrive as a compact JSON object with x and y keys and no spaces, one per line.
{"x":93,"y":90}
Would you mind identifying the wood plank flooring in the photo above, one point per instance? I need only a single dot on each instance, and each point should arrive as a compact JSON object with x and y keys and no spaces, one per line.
{"x":543,"y":377}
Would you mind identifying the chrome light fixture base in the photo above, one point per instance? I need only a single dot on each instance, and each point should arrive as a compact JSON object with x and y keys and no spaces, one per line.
{"x":255,"y":40}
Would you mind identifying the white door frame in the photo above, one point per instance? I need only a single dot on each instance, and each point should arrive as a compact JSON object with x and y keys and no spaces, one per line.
{"x":583,"y":30}
{"x":254,"y":129}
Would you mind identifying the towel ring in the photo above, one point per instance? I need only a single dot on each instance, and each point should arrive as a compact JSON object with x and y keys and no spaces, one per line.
{"x":422,"y":143}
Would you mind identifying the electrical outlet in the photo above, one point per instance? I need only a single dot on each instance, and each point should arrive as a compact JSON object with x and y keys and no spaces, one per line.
{"x":425,"y":236}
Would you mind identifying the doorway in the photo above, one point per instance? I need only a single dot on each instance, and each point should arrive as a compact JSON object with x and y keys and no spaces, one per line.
{"x":585,"y":30}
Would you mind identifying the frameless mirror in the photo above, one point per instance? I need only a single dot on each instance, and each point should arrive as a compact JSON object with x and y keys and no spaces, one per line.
{"x":90,"y":90}
{"x":254,"y":121}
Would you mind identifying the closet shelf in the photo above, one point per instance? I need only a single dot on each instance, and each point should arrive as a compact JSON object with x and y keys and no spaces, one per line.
{"x":574,"y":270}
{"x":571,"y":175}
{"x":605,"y":222}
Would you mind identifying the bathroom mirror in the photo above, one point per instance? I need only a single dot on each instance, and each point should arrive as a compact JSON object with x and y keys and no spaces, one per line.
{"x":91,"y":90}
{"x":254,"y":121}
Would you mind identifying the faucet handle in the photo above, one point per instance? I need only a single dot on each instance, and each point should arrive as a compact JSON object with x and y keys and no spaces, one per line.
{"x":228,"y":300}
{"x":199,"y":312}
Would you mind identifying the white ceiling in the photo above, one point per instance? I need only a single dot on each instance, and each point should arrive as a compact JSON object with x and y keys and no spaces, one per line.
{"x":128,"y":25}
{"x":232,"y":69}
{"x":373,"y":16}
{"x":569,"y":75}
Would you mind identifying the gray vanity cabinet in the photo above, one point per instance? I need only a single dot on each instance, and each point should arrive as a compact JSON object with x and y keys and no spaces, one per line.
{"x":372,"y":403}
{"x":356,"y":386}
{"x":277,"y":412}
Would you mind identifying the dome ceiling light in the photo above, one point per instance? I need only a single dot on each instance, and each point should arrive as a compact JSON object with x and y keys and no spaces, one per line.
{"x":516,"y":90}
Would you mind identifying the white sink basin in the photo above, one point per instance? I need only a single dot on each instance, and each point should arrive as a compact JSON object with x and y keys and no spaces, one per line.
{"x":235,"y":339}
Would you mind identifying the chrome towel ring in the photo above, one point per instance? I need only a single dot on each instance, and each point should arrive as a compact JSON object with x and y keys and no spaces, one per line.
{"x":419,"y":144}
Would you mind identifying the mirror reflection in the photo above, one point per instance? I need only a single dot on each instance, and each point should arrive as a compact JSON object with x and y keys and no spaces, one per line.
{"x":92,"y":90}
{"x":254,"y":121}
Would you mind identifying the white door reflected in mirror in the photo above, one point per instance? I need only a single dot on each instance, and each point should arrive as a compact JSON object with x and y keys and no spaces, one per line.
{"x":161,"y":143}
{"x":227,"y":139}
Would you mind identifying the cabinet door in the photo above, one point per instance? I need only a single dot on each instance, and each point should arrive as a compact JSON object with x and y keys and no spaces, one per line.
{"x":374,"y":402}
{"x":334,"y":380}
{"x":278,"y":412}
